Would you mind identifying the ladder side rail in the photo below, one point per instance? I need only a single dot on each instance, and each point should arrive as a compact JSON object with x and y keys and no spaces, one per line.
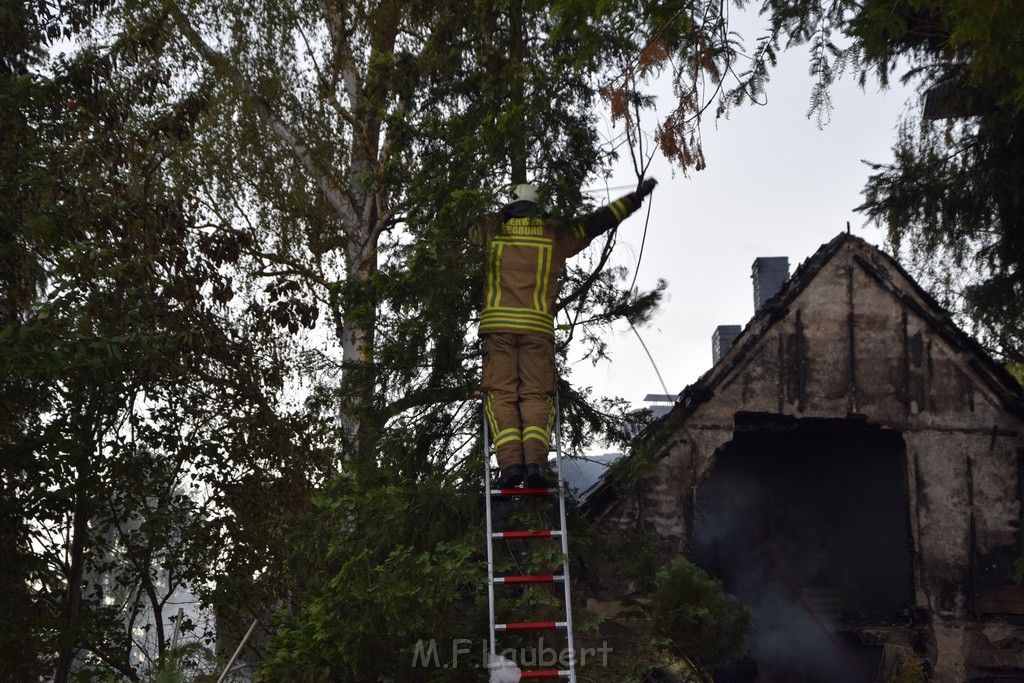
{"x":564,"y":536}
{"x":490,"y":530}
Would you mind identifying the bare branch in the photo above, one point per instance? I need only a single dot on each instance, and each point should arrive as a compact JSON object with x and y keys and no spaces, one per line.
{"x":221,"y":64}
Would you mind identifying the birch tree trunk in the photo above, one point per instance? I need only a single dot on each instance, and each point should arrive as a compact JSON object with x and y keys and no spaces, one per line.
{"x":360,"y":206}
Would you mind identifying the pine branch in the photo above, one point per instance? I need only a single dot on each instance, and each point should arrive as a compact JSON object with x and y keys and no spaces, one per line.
{"x":430,"y":396}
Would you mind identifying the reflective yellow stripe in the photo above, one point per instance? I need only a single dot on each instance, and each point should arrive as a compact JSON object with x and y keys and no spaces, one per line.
{"x":494,"y":297}
{"x":551,"y":416}
{"x":538,"y":433}
{"x":508,"y":436}
{"x":500,"y":436}
{"x":518,"y":319}
{"x":515,"y":326}
{"x":525,"y":241}
{"x":542,"y":433}
{"x":493,"y":421}
{"x":537,"y":316}
{"x":540,"y":289}
{"x":618,"y":210}
{"x":579,"y":230}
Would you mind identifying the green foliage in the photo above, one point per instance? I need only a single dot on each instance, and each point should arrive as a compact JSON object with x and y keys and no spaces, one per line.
{"x":911,"y":671}
{"x":951,"y":198}
{"x":694,"y":617}
{"x":234,"y":263}
{"x":169,"y":673}
{"x":127,"y":386}
{"x":401,"y":565}
{"x":1017,"y":370}
{"x":680,"y":620}
{"x":950,"y":202}
{"x":192,"y":662}
{"x":20,"y":276}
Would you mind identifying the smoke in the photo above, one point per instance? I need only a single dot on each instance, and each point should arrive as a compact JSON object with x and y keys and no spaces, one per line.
{"x":791,"y":641}
{"x":767,"y":548}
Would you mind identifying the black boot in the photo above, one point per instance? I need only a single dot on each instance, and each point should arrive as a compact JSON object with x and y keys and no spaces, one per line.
{"x":538,"y":476}
{"x":510,"y":477}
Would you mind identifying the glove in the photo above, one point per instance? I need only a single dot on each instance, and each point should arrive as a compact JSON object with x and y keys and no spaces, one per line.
{"x":646,"y":187}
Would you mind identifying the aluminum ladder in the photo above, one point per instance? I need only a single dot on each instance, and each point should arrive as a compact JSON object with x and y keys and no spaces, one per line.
{"x":560,"y":533}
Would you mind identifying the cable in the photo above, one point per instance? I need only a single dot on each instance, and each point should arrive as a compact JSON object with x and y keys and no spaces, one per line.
{"x":643,"y":241}
{"x":599,"y":190}
{"x":636,"y":273}
{"x":780,"y":572}
{"x":650,"y":358}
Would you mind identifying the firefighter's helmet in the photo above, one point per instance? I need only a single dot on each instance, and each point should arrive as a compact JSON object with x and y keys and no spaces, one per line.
{"x":525,"y":192}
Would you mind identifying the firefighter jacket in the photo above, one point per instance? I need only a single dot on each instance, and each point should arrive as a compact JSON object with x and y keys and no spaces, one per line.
{"x":525,"y":254}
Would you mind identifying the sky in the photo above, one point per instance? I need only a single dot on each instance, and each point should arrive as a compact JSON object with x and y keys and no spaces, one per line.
{"x":775,"y":185}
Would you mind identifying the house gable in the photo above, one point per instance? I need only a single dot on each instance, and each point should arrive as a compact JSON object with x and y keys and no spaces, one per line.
{"x":852,"y":340}
{"x":852,"y":334}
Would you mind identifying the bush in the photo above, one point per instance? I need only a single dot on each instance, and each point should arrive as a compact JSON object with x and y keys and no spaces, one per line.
{"x":695,"y":618}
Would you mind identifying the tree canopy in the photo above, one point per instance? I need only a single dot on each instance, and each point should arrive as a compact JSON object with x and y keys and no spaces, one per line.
{"x":238,"y":303}
{"x":238,"y":318}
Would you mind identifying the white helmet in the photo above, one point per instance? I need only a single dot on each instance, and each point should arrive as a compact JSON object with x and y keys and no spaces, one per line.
{"x":525,"y":192}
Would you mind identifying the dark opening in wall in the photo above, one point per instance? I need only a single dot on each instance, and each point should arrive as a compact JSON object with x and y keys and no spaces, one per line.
{"x":806,"y":521}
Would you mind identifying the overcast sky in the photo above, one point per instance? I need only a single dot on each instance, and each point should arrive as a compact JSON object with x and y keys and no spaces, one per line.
{"x":775,"y":185}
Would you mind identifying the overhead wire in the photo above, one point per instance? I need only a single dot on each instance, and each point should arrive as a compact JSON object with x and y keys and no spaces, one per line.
{"x":781,"y":574}
{"x":643,"y":241}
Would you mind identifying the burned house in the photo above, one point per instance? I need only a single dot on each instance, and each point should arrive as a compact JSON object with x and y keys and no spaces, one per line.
{"x":852,"y":468}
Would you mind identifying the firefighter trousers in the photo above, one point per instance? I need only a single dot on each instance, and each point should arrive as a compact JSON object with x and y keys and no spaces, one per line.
{"x":519,"y":388}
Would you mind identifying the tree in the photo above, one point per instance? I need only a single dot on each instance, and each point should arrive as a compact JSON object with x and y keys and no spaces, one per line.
{"x":952,"y":197}
{"x":392,"y":126}
{"x":127,"y":385}
{"x":27,"y":196}
{"x":407,"y":113}
{"x":216,"y":177}
{"x":951,"y":200}
{"x":695,"y":617}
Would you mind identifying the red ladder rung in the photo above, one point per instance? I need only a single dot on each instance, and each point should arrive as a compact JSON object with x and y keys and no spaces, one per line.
{"x":538,"y":578}
{"x":530,"y":626}
{"x":523,"y":492}
{"x":544,"y":533}
{"x":543,"y":673}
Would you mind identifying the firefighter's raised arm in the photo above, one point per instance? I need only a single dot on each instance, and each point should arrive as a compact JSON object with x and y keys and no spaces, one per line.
{"x":607,"y":217}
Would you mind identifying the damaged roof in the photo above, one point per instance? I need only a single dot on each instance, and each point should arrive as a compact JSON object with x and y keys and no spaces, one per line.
{"x":996,"y":377}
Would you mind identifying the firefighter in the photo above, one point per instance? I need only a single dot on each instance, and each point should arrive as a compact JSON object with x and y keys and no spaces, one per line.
{"x":526,"y":249}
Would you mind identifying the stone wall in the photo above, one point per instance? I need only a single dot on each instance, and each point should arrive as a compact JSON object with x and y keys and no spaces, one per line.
{"x":851,"y":338}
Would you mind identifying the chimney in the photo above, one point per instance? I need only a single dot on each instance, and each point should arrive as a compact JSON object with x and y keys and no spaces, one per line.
{"x":722,"y":339}
{"x":768,"y":274}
